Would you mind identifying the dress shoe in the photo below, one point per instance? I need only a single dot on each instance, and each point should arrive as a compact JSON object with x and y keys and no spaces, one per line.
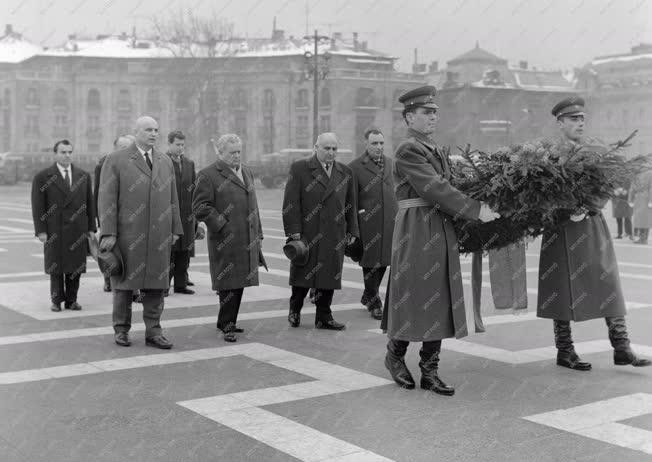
{"x":294,"y":319}
{"x":399,"y":371}
{"x":377,"y":313}
{"x":74,"y":306}
{"x":122,"y":339}
{"x":158,"y":341}
{"x":627,"y":357}
{"x":329,"y":325}
{"x":190,"y":283}
{"x":107,"y":287}
{"x":229,"y":333}
{"x":572,"y":361}
{"x":431,"y":381}
{"x":364,"y":300}
{"x":56,"y":307}
{"x":183,"y":290}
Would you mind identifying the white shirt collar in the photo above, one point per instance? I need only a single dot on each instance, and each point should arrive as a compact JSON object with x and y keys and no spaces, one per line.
{"x":63,"y":169}
{"x":143,"y":152}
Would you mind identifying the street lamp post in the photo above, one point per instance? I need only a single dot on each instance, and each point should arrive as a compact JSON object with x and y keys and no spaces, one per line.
{"x":316,"y":70}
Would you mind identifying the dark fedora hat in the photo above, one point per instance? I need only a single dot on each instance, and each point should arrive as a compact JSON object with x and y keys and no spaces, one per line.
{"x":110,"y":262}
{"x":297,"y":251}
{"x":354,"y":251}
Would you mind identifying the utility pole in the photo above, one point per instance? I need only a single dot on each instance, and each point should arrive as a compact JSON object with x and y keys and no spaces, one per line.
{"x":316,"y":70}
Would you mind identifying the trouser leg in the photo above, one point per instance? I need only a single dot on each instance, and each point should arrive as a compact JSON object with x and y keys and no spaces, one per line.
{"x":229,"y":307}
{"x":153,"y":303}
{"x":71,"y":282}
{"x":323,"y":300}
{"x":57,"y":291}
{"x":179,"y":268}
{"x":122,"y":310}
{"x":619,"y":222}
{"x":628,"y":226}
{"x":297,"y":297}
{"x":476,"y":290}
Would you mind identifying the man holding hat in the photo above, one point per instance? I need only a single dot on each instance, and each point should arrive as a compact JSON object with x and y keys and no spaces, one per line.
{"x":319,"y":209}
{"x":578,"y":272}
{"x":426,"y":300}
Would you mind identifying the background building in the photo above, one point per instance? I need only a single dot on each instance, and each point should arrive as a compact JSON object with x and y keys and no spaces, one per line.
{"x":91,"y":90}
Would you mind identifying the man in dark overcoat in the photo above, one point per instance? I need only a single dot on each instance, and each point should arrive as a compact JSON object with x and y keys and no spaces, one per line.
{"x":63,"y":212}
{"x":372,"y":172}
{"x":139,"y":213}
{"x":578,"y":272}
{"x":319,"y":208}
{"x":120,"y":142}
{"x":426,"y":299}
{"x":225,"y":200}
{"x":184,"y":173}
{"x":640,"y":199}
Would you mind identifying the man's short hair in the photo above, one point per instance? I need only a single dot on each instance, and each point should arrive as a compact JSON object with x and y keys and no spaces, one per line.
{"x":64,"y":142}
{"x":229,"y":138}
{"x":175,"y":134}
{"x":372,"y":131}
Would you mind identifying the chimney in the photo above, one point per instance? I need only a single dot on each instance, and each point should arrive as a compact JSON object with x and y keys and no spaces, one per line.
{"x":522,"y":64}
{"x":9,"y":30}
{"x":434,"y":67}
{"x":355,"y":41}
{"x":364,"y":46}
{"x":278,"y":35}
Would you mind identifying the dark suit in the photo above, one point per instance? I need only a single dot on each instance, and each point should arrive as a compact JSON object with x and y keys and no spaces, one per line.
{"x":376,"y":211}
{"x":184,"y":173}
{"x":229,"y":208}
{"x":322,"y":209}
{"x":66,"y":214}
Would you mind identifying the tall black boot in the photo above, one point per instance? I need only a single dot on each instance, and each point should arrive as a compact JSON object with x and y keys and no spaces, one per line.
{"x":623,"y":354}
{"x":395,"y":363}
{"x":429,"y":365}
{"x":566,"y":355}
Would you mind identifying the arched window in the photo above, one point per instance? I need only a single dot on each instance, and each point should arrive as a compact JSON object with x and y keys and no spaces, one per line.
{"x":60,"y":99}
{"x":33,"y":98}
{"x":325,"y":97}
{"x":93,"y":101}
{"x":124,"y":100}
{"x":153,"y":102}
{"x":365,"y":98}
{"x":302,"y":98}
{"x":238,"y":99}
{"x":268,"y":99}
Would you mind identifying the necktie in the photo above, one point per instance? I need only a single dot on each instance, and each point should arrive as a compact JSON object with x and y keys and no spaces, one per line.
{"x":148,"y":160}
{"x":328,"y":169}
{"x":66,"y":178}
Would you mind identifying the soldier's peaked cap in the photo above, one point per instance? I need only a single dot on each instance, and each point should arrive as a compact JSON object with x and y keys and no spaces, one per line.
{"x":569,"y":106}
{"x":419,"y":97}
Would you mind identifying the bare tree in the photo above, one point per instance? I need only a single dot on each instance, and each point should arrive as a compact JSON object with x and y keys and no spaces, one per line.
{"x":195,"y":40}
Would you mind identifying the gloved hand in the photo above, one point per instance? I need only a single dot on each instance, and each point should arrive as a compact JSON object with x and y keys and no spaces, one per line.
{"x":487,"y":214}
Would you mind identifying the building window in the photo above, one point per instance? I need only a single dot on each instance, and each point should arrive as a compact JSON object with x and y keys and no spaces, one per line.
{"x":183,"y":99}
{"x":324,"y":123}
{"x":268,"y":100}
{"x":325,"y":97}
{"x":60,"y":99}
{"x":302,"y":98}
{"x":238,"y":100}
{"x":153,"y":102}
{"x":32,"y":126}
{"x":302,"y":126}
{"x":93,"y":101}
{"x":60,"y":129}
{"x":268,"y":134}
{"x":124,"y":101}
{"x":365,"y":98}
{"x":33,"y":99}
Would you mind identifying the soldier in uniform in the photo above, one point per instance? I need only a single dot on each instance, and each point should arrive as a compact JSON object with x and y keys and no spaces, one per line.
{"x":372,"y":172}
{"x":578,"y":273}
{"x":426,"y":300}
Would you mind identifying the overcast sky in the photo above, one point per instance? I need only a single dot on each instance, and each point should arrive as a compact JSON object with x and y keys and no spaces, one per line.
{"x":550,"y":34}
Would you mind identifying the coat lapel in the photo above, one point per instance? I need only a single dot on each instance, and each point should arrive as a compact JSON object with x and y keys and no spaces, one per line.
{"x":318,"y":171}
{"x":76,"y":183}
{"x":227,"y":173}
{"x":58,"y":179}
{"x":337,"y":175}
{"x":370,"y":164}
{"x":139,"y":161}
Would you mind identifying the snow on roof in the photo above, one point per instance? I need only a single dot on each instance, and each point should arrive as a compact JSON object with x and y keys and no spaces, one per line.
{"x":126,"y":47}
{"x":14,"y":49}
{"x":620,"y":58}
